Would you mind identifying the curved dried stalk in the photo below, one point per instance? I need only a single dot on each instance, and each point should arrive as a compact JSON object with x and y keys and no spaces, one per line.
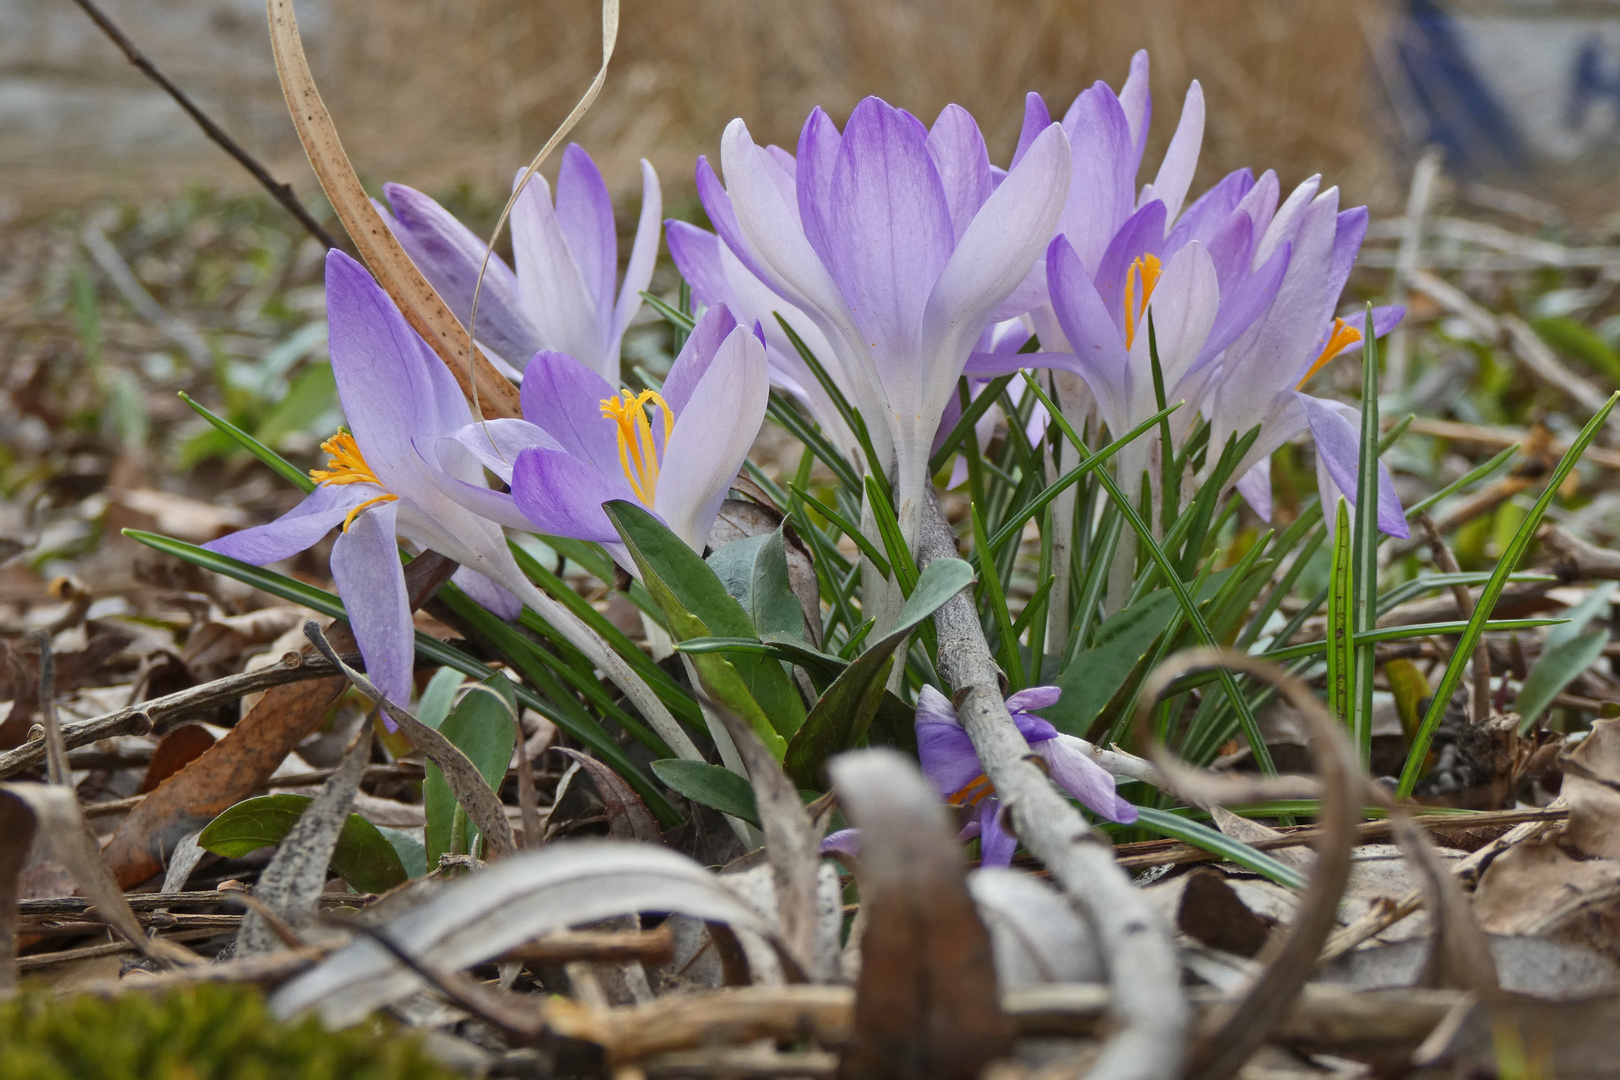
{"x":1235,"y":1032}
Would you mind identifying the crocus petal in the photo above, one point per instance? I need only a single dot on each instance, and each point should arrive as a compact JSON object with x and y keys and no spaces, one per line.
{"x":392,"y":387}
{"x":495,"y":444}
{"x":1183,"y":310}
{"x":487,"y":594}
{"x":959,"y":154}
{"x":1142,"y":234}
{"x":450,"y":256}
{"x":1246,"y":303}
{"x":1037,"y":118}
{"x":997,"y":251}
{"x":1091,"y":330}
{"x":1286,"y":223}
{"x":296,"y":530}
{"x":1335,"y":427}
{"x":1104,"y":187}
{"x":712,"y":437}
{"x":889,"y":226}
{"x":1036,"y":697}
{"x":585,"y":215}
{"x":1181,"y":159}
{"x":643,"y":255}
{"x":1385,"y":318}
{"x":555,"y":293}
{"x":818,"y":151}
{"x":1210,"y":212}
{"x":1074,"y":771}
{"x":935,"y":708}
{"x":563,"y":397}
{"x":366,"y":567}
{"x":697,"y":355}
{"x":562,"y":495}
{"x":845,"y":842}
{"x":1136,"y":102}
{"x":1255,"y":487}
{"x":947,"y":756}
{"x":996,"y":844}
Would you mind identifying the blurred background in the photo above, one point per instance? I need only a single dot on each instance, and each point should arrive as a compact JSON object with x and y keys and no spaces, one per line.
{"x":443,"y":92}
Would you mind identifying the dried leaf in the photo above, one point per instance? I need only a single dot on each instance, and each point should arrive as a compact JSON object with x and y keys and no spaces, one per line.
{"x":417,"y":301}
{"x":484,"y":914}
{"x":17,"y":825}
{"x":179,"y":748}
{"x":926,"y":1002}
{"x":628,"y":816}
{"x":1592,"y":790}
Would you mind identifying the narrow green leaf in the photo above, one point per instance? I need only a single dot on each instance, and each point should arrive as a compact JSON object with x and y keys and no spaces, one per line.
{"x":482,"y":727}
{"x":889,"y":531}
{"x":711,"y":785}
{"x":1341,"y":657}
{"x":1559,"y":665}
{"x":970,"y":416}
{"x":1236,"y":851}
{"x":1487,"y":602}
{"x":363,"y":857}
{"x":996,"y":600}
{"x":284,"y":468}
{"x":1364,"y":554}
{"x":848,"y":528}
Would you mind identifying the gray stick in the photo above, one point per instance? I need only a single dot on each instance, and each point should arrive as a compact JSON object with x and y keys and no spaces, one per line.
{"x":1152,"y":1012}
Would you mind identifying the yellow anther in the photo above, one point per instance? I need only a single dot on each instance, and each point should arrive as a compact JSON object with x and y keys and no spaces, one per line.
{"x":1147,"y":268}
{"x":1342,"y":337}
{"x":356,"y":512}
{"x":348,"y":466}
{"x":973,"y":792}
{"x":638,"y":452}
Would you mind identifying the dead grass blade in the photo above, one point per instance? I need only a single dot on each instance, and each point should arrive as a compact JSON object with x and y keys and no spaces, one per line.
{"x":422,"y":307}
{"x":1235,"y":1033}
{"x":926,"y":1003}
{"x":17,"y":825}
{"x":628,"y":816}
{"x":296,"y":876}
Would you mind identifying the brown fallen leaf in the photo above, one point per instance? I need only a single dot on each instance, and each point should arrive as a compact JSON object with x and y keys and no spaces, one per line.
{"x":1502,"y":1036}
{"x":1592,"y":790}
{"x":926,"y":1003}
{"x":17,"y":825}
{"x":1535,"y":888}
{"x":179,"y":748}
{"x":238,"y":764}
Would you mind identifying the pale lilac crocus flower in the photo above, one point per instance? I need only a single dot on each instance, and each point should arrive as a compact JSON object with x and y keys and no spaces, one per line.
{"x":584,"y":442}
{"x":390,"y":478}
{"x":950,"y":761}
{"x":561,"y":295}
{"x":897,"y":242}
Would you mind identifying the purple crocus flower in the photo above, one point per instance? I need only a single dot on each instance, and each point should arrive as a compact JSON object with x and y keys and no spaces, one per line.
{"x":562,"y":295}
{"x":393,"y":475}
{"x":898,"y":243}
{"x":583,"y":442}
{"x":1263,"y":374}
{"x":949,"y":760}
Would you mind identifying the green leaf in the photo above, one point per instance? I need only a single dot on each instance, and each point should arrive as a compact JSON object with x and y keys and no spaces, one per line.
{"x":1487,"y":602}
{"x":697,"y":605}
{"x":363,"y":856}
{"x":309,"y":398}
{"x":412,"y":855}
{"x":480,"y":727}
{"x":1118,"y":651}
{"x":995,"y":599}
{"x":1202,"y":836}
{"x":1364,"y":554}
{"x":439,"y":696}
{"x":1579,"y":615}
{"x":1341,"y":657}
{"x":284,"y":468}
{"x":710,"y":785}
{"x":1558,"y":666}
{"x":841,"y":716}
{"x":754,"y":571}
{"x":1575,"y":339}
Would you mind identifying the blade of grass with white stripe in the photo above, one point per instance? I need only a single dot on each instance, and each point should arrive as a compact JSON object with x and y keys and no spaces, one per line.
{"x":1364,"y":550}
{"x":1341,"y":658}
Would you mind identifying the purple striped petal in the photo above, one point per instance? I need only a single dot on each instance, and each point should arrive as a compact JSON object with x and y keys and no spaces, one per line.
{"x":959,"y":154}
{"x":563,"y":398}
{"x":1210,"y":212}
{"x":585,"y":216}
{"x":563,"y":496}
{"x":1074,"y":771}
{"x":996,"y":844}
{"x":643,"y":255}
{"x":555,"y":293}
{"x":699,"y":352}
{"x":366,"y":567}
{"x":488,"y":595}
{"x":1181,"y":158}
{"x":1098,"y":346}
{"x":298,"y":529}
{"x":1142,"y":234}
{"x":1136,"y":101}
{"x":1336,"y":429}
{"x":1103,"y":190}
{"x":1037,"y":118}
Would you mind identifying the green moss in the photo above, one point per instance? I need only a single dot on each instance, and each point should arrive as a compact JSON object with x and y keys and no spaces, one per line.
{"x":202,"y":1033}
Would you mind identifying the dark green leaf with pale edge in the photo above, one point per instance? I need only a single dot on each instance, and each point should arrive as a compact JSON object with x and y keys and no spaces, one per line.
{"x":1202,"y":836}
{"x":363,"y":857}
{"x":1556,"y":668}
{"x":710,"y":785}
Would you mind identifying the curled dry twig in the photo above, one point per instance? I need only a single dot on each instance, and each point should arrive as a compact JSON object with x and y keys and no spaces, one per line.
{"x":1143,"y":967}
{"x":1236,"y":1032}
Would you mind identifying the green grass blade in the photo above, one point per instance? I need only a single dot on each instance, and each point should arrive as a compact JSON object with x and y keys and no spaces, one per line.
{"x":993,"y":597}
{"x":1487,"y":601}
{"x":283,"y":468}
{"x":1340,"y":655}
{"x":1202,"y":836}
{"x":970,"y":416}
{"x":1364,"y":548}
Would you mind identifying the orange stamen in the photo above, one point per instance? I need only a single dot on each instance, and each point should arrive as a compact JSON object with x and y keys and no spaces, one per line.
{"x":1147,"y":268}
{"x":974,"y":792}
{"x":638,"y":452}
{"x":1342,"y":337}
{"x":348,"y":466}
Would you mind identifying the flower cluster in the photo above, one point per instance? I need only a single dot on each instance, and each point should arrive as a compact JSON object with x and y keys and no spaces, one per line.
{"x":901,"y":259}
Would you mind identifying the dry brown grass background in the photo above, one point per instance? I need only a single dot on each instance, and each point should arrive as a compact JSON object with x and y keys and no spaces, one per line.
{"x":442,"y":92}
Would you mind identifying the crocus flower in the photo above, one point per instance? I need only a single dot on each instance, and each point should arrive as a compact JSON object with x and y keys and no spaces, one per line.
{"x":562,"y":295}
{"x":898,"y":243}
{"x":949,"y":760}
{"x":584,"y":442}
{"x":390,"y":477}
